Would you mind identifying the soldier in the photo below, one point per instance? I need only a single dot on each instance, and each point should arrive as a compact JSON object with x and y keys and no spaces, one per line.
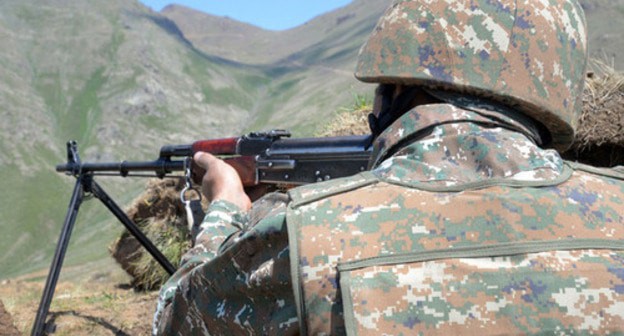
{"x":466,"y":222}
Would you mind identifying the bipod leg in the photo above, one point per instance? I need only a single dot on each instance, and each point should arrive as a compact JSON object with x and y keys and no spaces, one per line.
{"x":59,"y":255}
{"x":98,"y":192}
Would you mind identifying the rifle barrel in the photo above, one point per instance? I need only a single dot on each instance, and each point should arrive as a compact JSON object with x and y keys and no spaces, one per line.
{"x":160,"y":167}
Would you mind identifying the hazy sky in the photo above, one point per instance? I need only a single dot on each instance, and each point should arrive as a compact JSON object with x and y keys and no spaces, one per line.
{"x":268,"y":14}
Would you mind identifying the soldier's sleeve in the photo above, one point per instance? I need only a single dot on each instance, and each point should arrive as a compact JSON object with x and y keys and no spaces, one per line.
{"x":222,"y":220}
{"x":236,"y":279}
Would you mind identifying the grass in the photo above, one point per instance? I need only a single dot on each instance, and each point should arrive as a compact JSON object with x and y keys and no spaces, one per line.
{"x":172,"y":242}
{"x":91,"y":308}
{"x":26,"y":226}
{"x":351,"y":120}
{"x":84,"y":111}
{"x":238,"y":93}
{"x":32,"y":221}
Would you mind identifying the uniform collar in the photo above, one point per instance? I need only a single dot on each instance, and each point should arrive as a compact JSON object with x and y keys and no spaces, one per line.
{"x":449,"y":144}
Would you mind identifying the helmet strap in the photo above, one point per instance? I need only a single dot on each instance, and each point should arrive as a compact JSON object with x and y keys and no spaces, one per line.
{"x":392,"y":108}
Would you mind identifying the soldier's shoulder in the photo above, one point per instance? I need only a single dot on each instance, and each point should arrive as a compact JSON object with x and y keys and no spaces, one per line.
{"x":597,"y":181}
{"x":317,"y":191}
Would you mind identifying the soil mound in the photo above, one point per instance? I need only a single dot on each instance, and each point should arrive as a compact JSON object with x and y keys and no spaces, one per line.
{"x":6,"y":323}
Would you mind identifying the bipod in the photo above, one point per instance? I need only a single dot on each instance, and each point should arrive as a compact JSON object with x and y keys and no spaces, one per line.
{"x":85,"y":184}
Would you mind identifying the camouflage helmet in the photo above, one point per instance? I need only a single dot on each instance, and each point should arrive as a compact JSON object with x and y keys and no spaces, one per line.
{"x":530,"y":55}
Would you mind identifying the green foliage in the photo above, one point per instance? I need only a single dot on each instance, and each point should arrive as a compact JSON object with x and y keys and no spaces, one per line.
{"x":362,"y":101}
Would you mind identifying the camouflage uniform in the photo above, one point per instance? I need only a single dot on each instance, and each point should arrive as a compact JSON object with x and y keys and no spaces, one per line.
{"x":470,"y":228}
{"x":462,"y":225}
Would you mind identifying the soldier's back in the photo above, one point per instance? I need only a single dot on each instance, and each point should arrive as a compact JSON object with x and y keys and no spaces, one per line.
{"x":372,"y":256}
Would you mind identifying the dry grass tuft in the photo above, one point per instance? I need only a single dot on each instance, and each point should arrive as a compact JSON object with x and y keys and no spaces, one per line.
{"x":347,"y":122}
{"x":161,"y":216}
{"x":600,"y":132}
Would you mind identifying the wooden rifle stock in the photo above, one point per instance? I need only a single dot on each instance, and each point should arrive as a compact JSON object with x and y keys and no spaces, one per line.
{"x":274,"y":158}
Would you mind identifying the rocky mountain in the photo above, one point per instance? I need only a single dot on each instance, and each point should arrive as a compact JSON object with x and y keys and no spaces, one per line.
{"x":123,"y":80}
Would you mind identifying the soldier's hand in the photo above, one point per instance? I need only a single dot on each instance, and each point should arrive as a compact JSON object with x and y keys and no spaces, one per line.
{"x":221,"y":181}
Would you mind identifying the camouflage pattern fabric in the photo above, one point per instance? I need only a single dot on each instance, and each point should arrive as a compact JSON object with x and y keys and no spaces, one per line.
{"x":527,"y":54}
{"x":469,"y":229}
{"x":236,"y":279}
{"x":462,"y":226}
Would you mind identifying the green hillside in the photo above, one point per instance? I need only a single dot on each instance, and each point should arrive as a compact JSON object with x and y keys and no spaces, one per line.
{"x":121,"y":81}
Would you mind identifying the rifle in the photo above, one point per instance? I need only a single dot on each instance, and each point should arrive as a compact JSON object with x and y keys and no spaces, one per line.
{"x":261,"y":158}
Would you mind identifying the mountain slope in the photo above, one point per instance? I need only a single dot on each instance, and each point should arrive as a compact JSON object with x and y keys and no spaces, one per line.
{"x":122,"y":80}
{"x":113,"y":75}
{"x":310,"y":66}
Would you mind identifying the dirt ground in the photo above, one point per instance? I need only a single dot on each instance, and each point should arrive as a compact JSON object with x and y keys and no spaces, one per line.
{"x":7,"y":328}
{"x":103,"y":304}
